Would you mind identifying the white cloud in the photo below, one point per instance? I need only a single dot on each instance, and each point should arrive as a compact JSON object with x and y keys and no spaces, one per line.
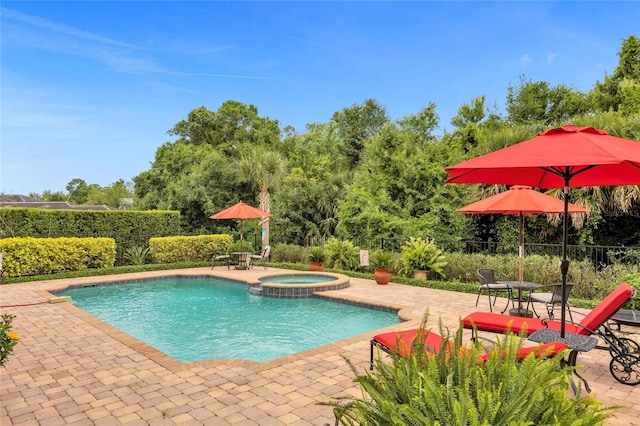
{"x":525,"y":59}
{"x":551,"y":57}
{"x":61,"y":29}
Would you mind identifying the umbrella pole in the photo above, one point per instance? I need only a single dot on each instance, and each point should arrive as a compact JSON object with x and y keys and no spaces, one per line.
{"x":564,"y":266}
{"x":521,"y":249}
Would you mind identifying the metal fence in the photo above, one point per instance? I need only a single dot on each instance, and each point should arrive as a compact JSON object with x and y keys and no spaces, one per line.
{"x":598,"y":255}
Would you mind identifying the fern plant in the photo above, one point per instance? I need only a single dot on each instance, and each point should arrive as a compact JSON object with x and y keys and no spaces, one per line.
{"x":453,"y":388}
{"x":342,"y":254}
{"x":422,"y":255}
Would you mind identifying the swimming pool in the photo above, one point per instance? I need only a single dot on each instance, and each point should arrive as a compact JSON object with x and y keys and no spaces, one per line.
{"x":194,"y":319}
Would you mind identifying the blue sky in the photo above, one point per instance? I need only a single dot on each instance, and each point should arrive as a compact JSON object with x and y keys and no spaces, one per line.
{"x":89,"y":89}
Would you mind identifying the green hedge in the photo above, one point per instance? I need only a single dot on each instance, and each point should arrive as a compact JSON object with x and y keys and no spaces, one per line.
{"x":188,"y":249}
{"x":37,"y":256}
{"x":128,"y":228}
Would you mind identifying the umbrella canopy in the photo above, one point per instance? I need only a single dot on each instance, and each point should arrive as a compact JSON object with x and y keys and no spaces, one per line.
{"x":566,"y":157}
{"x":520,"y":200}
{"x":240,"y":211}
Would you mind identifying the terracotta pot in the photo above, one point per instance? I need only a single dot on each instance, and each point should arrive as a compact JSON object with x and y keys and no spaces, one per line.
{"x":316,"y":266}
{"x":382,"y":276}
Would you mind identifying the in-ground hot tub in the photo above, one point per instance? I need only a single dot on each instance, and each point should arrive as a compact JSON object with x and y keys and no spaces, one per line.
{"x":298,"y":285}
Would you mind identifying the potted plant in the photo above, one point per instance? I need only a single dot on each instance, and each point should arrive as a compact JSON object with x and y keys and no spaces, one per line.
{"x":421,"y":257}
{"x":381,"y":262}
{"x":317,"y":256}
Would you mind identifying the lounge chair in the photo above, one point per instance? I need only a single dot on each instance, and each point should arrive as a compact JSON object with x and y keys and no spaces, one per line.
{"x":217,"y":257}
{"x":260,"y":257}
{"x":403,"y":342}
{"x":488,"y":283}
{"x":625,"y":363}
{"x":552,"y":299}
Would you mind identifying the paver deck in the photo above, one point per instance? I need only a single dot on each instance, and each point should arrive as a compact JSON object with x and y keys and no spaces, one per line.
{"x":72,"y":369}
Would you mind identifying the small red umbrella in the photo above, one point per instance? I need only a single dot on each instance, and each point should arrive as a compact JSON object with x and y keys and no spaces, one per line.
{"x":520,"y":200}
{"x":566,"y":157}
{"x":240,"y":211}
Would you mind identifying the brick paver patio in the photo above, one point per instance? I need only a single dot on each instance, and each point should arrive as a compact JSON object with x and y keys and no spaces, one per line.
{"x":70,"y":368}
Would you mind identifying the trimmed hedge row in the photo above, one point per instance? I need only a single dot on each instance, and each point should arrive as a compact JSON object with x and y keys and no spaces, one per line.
{"x":38,"y":256}
{"x":200,"y":248}
{"x":128,"y":228}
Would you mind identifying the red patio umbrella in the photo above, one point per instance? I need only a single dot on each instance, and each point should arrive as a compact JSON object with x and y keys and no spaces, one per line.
{"x":566,"y":157}
{"x":520,"y":200}
{"x":240,"y":211}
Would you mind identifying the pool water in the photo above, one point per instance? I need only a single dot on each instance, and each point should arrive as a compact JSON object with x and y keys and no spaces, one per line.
{"x":298,"y":279}
{"x":194,"y":319}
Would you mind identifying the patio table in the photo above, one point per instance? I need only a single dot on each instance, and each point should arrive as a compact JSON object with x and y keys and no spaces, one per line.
{"x":525,"y":285}
{"x":242,"y":259}
{"x":626,"y":317}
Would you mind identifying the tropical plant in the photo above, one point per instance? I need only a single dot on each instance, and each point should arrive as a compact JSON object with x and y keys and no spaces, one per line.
{"x":381,"y":259}
{"x":264,"y":168}
{"x":446,"y":389}
{"x":342,"y":254}
{"x":136,"y":255}
{"x":634,"y":280}
{"x":317,"y":254}
{"x":8,"y":337}
{"x":422,"y":255}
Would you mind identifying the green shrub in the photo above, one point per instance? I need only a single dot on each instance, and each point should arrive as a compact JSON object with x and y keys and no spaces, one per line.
{"x":342,"y":254}
{"x":241,"y":246}
{"x":634,"y":280}
{"x":289,"y":253}
{"x":422,"y":255}
{"x":428,"y":389}
{"x":198,"y":248}
{"x":127,"y":228}
{"x":39,"y":256}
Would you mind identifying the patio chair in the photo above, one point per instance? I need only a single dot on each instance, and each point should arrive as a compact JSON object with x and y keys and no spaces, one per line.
{"x":553,"y":299}
{"x":625,"y":353}
{"x":261,"y":257}
{"x":488,"y":283}
{"x":403,"y":342}
{"x":218,"y":257}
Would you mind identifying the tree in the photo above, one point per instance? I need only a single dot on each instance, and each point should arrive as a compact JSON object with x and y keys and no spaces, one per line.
{"x":47,"y":195}
{"x":467,"y":121}
{"x":78,"y":191}
{"x":264,"y":169}
{"x":357,"y":124}
{"x":306,"y":206}
{"x":620,"y":91}
{"x":109,"y":195}
{"x":229,"y":128}
{"x":538,"y":102}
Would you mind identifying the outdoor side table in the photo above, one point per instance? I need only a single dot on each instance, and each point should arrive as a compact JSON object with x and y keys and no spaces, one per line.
{"x":242,"y":259}
{"x":575,"y":342}
{"x":627,"y":317}
{"x":525,"y":285}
